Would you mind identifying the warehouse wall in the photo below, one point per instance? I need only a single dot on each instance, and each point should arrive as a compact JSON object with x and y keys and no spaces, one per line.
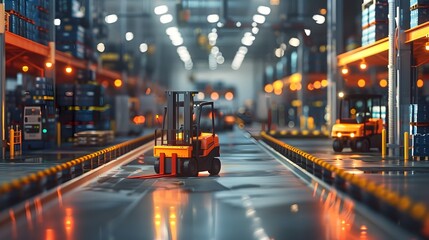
{"x":247,"y":80}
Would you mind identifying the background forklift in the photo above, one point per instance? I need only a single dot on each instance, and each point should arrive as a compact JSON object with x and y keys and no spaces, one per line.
{"x":181,"y":139}
{"x":360,"y":123}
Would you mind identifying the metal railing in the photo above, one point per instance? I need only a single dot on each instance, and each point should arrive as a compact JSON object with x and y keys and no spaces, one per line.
{"x":413,"y":216}
{"x":15,"y":141}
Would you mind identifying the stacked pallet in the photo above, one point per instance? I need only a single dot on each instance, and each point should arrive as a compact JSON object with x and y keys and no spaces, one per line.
{"x":419,"y":12}
{"x":94,"y":138}
{"x":82,"y":108}
{"x":419,"y":129}
{"x":70,"y":32}
{"x":29,"y":19}
{"x":374,"y":21}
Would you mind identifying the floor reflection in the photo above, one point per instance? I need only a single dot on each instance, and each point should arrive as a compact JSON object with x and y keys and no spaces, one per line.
{"x":167,"y":205}
{"x":340,"y":217}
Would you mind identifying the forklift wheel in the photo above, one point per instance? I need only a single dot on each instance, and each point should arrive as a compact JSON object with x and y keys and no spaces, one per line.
{"x":215,"y":167}
{"x":156,"y":166}
{"x":337,"y":145}
{"x":362,"y":145}
{"x":191,"y":168}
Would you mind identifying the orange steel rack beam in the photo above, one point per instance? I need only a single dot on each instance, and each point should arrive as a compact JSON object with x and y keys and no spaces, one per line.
{"x":368,"y":53}
{"x":16,"y":42}
{"x":26,"y":44}
{"x":416,"y":33}
{"x":375,"y":53}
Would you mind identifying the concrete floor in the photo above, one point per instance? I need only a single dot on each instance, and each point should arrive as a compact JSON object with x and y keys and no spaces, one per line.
{"x":254,"y":197}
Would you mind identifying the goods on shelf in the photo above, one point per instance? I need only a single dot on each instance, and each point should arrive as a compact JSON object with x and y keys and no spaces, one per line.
{"x":374,"y":21}
{"x":94,"y":138}
{"x":29,"y":19}
{"x":70,"y":8}
{"x":419,"y":128}
{"x":82,"y":107}
{"x":70,"y":37}
{"x":419,"y":15}
{"x":418,"y":3}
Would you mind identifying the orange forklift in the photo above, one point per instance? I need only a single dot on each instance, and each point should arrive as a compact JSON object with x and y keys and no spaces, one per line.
{"x":360,"y":123}
{"x":182,"y":148}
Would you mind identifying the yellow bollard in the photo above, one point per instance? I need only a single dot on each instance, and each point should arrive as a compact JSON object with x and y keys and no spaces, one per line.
{"x":12,"y":142}
{"x":406,"y":146}
{"x":383,"y":143}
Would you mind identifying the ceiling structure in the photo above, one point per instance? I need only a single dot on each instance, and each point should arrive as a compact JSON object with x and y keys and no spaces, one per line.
{"x":286,"y":20}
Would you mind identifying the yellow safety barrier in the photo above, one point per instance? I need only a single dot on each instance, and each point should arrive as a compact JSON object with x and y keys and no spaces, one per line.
{"x":415,"y":212}
{"x":77,"y":165}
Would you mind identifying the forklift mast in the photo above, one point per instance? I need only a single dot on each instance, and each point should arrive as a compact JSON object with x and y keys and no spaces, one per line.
{"x":179,"y":103}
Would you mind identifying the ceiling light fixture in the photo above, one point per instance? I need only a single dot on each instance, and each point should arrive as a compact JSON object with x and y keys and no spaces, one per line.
{"x":166,"y":18}
{"x":112,"y":18}
{"x":258,"y":18}
{"x":101,"y":47}
{"x":220,"y":59}
{"x":427,"y":46}
{"x":238,"y":58}
{"x":214,"y":50}
{"x":242,"y":50}
{"x":177,"y":41}
{"x":264,"y":10}
{"x":255,"y":30}
{"x":279,"y":52}
{"x":69,"y":69}
{"x":160,"y":10}
{"x":248,"y":39}
{"x":213,"y":18}
{"x":320,"y":19}
{"x":129,"y":36}
{"x":307,"y":32}
{"x":143,"y":47}
{"x":294,"y":42}
{"x":363,"y":65}
{"x":344,"y":70}
{"x":171,"y":31}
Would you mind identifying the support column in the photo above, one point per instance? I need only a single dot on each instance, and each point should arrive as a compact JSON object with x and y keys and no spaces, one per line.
{"x":392,"y":110}
{"x":404,"y":74}
{"x":2,"y":77}
{"x":335,"y":46}
{"x":300,"y":69}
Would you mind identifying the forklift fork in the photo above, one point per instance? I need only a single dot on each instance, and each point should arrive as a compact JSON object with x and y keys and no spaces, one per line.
{"x":161,"y":168}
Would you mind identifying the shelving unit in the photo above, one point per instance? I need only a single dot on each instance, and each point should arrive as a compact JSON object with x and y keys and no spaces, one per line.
{"x":18,"y":47}
{"x":27,"y":53}
{"x":375,"y":54}
{"x":412,"y":120}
